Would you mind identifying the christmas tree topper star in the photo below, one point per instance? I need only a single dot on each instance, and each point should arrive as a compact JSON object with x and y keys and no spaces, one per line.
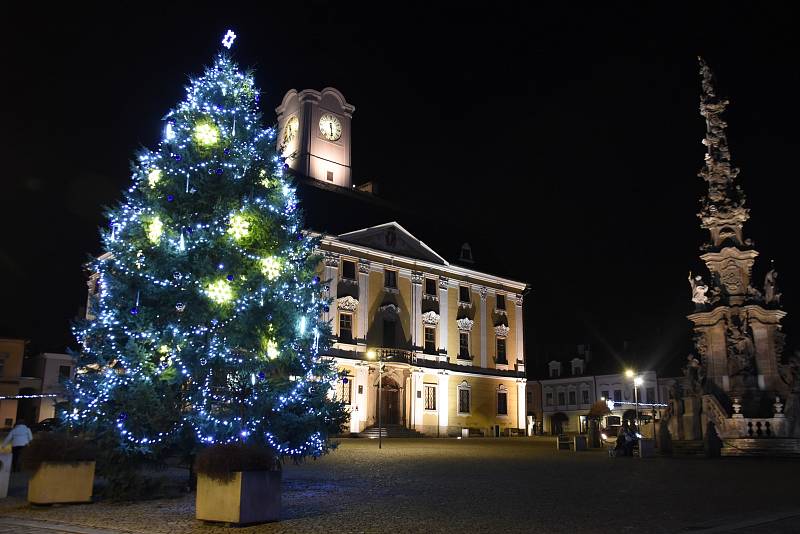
{"x":227,"y":41}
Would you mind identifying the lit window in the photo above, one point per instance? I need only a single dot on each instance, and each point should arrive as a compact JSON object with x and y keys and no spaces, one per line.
{"x":430,"y":340}
{"x":346,"y":327}
{"x":501,"y":302}
{"x":348,"y":270}
{"x":390,"y":279}
{"x":430,"y":397}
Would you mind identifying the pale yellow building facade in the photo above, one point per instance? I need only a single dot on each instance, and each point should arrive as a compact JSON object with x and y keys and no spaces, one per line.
{"x":450,"y":338}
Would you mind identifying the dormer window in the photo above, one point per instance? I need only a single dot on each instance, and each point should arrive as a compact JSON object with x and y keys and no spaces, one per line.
{"x":348,"y":270}
{"x":577,"y":367}
{"x":555,"y":369}
{"x":466,"y":253}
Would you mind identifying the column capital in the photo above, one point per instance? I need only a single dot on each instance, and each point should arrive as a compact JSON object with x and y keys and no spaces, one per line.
{"x":363,"y":266}
{"x":331,"y":259}
{"x":444,"y":282}
{"x":417,"y":277}
{"x":518,"y":298}
{"x":483,"y":291}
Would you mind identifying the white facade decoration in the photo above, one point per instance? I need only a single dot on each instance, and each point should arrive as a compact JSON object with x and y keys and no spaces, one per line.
{"x":465,"y":324}
{"x":391,"y":308}
{"x":430,"y":318}
{"x":347,"y":303}
{"x":501,"y":330}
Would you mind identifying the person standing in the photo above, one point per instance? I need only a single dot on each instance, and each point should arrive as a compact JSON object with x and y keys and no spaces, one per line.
{"x":19,"y":437}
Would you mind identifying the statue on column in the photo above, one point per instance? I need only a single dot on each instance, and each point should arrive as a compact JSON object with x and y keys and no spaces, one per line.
{"x":740,"y":348}
{"x":771,"y":294}
{"x":695,"y":375}
{"x":699,"y":290}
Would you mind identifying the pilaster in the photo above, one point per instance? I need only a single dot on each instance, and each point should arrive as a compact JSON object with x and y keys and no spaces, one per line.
{"x":363,"y":300}
{"x":331,"y":279}
{"x":482,"y":291}
{"x":417,"y":398}
{"x":444,"y":324}
{"x":521,"y":408}
{"x":417,"y":278}
{"x":519,"y":340}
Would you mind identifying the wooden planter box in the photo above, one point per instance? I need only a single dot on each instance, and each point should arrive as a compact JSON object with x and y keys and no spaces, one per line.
{"x":251,"y":497}
{"x":57,"y":482}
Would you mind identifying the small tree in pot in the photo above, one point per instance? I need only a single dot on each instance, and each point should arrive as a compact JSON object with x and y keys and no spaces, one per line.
{"x":62,"y":466}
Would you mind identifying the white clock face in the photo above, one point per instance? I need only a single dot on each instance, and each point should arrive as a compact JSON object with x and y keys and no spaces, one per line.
{"x":330,"y":127}
{"x":290,"y":130}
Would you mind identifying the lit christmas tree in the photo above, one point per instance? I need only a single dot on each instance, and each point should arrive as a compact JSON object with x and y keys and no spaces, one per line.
{"x":206,"y":318}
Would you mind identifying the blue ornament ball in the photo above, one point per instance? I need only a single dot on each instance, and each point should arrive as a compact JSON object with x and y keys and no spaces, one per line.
{"x":227,"y":151}
{"x":344,"y":380}
{"x":261,"y":375}
{"x":316,"y":280}
{"x":123,"y":416}
{"x":230,"y":278}
{"x":258,"y":97}
{"x":219,"y":171}
{"x":177,"y":157}
{"x":326,"y":308}
{"x":134,"y":310}
{"x":170,"y":198}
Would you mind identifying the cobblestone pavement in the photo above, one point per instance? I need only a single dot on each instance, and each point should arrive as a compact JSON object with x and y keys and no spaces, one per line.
{"x":483,"y":485}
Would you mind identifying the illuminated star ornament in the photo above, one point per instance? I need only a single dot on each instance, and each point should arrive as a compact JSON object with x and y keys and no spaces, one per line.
{"x":227,"y":41}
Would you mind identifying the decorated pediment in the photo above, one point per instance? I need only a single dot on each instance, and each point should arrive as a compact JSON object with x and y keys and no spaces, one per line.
{"x":393,"y":238}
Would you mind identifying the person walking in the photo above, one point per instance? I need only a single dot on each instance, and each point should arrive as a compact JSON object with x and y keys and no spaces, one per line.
{"x":19,"y":437}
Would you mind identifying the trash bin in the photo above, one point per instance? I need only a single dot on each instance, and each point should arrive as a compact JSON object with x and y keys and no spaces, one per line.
{"x":647,"y":448}
{"x":580,"y":443}
{"x":5,"y":470}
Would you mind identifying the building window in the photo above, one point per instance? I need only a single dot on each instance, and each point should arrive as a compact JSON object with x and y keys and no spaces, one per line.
{"x":463,"y":294}
{"x":2,"y":365}
{"x":501,"y":302}
{"x":561,"y":398}
{"x":390,"y":279}
{"x":348,"y":270}
{"x":430,"y":287}
{"x":330,"y":176}
{"x":430,"y":340}
{"x":529,"y":399}
{"x":64,"y":372}
{"x":463,"y":345}
{"x":650,"y":395}
{"x":549,"y":399}
{"x":617,"y":395}
{"x":572,"y":398}
{"x":463,"y":398}
{"x":430,"y":397}
{"x":345,"y":327}
{"x":577,"y":370}
{"x":554,"y":372}
{"x":501,"y":350}
{"x":502,"y":403}
{"x":585,"y":396}
{"x":604,"y":394}
{"x":346,"y":389}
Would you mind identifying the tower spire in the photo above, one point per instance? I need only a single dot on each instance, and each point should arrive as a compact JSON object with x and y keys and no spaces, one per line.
{"x":723,"y":211}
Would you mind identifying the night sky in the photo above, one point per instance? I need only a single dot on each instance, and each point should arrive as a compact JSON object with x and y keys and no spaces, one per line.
{"x":568,"y":139}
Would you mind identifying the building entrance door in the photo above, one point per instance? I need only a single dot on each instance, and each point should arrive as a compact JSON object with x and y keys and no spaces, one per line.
{"x":390,"y":401}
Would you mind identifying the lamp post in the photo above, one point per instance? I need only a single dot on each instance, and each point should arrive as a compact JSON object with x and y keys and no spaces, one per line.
{"x":371,"y":355}
{"x":637,"y":381}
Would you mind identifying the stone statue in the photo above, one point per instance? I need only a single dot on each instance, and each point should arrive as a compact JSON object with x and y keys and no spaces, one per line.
{"x":695,"y":374}
{"x":740,"y":348}
{"x":771,"y":294}
{"x":699,"y":291}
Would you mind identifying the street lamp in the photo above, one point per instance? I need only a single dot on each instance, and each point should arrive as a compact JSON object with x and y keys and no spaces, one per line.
{"x":371,"y":355}
{"x":637,"y":381}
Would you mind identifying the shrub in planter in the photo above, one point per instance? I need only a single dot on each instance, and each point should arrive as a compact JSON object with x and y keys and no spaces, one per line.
{"x":63,"y":468}
{"x":238,"y":484}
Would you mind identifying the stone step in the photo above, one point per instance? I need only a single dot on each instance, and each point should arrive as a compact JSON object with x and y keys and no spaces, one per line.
{"x":389,"y":431}
{"x":688,"y":448}
{"x":759,"y":447}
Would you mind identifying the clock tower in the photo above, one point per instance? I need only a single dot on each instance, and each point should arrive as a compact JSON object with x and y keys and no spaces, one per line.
{"x":314,"y":134}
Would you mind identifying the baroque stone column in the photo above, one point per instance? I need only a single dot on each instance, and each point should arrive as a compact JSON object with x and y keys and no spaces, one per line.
{"x":331,"y":279}
{"x":444,"y":324}
{"x":363,"y":300}
{"x":416,"y":318}
{"x":360,"y":389}
{"x":521,"y":400}
{"x":483,"y":291}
